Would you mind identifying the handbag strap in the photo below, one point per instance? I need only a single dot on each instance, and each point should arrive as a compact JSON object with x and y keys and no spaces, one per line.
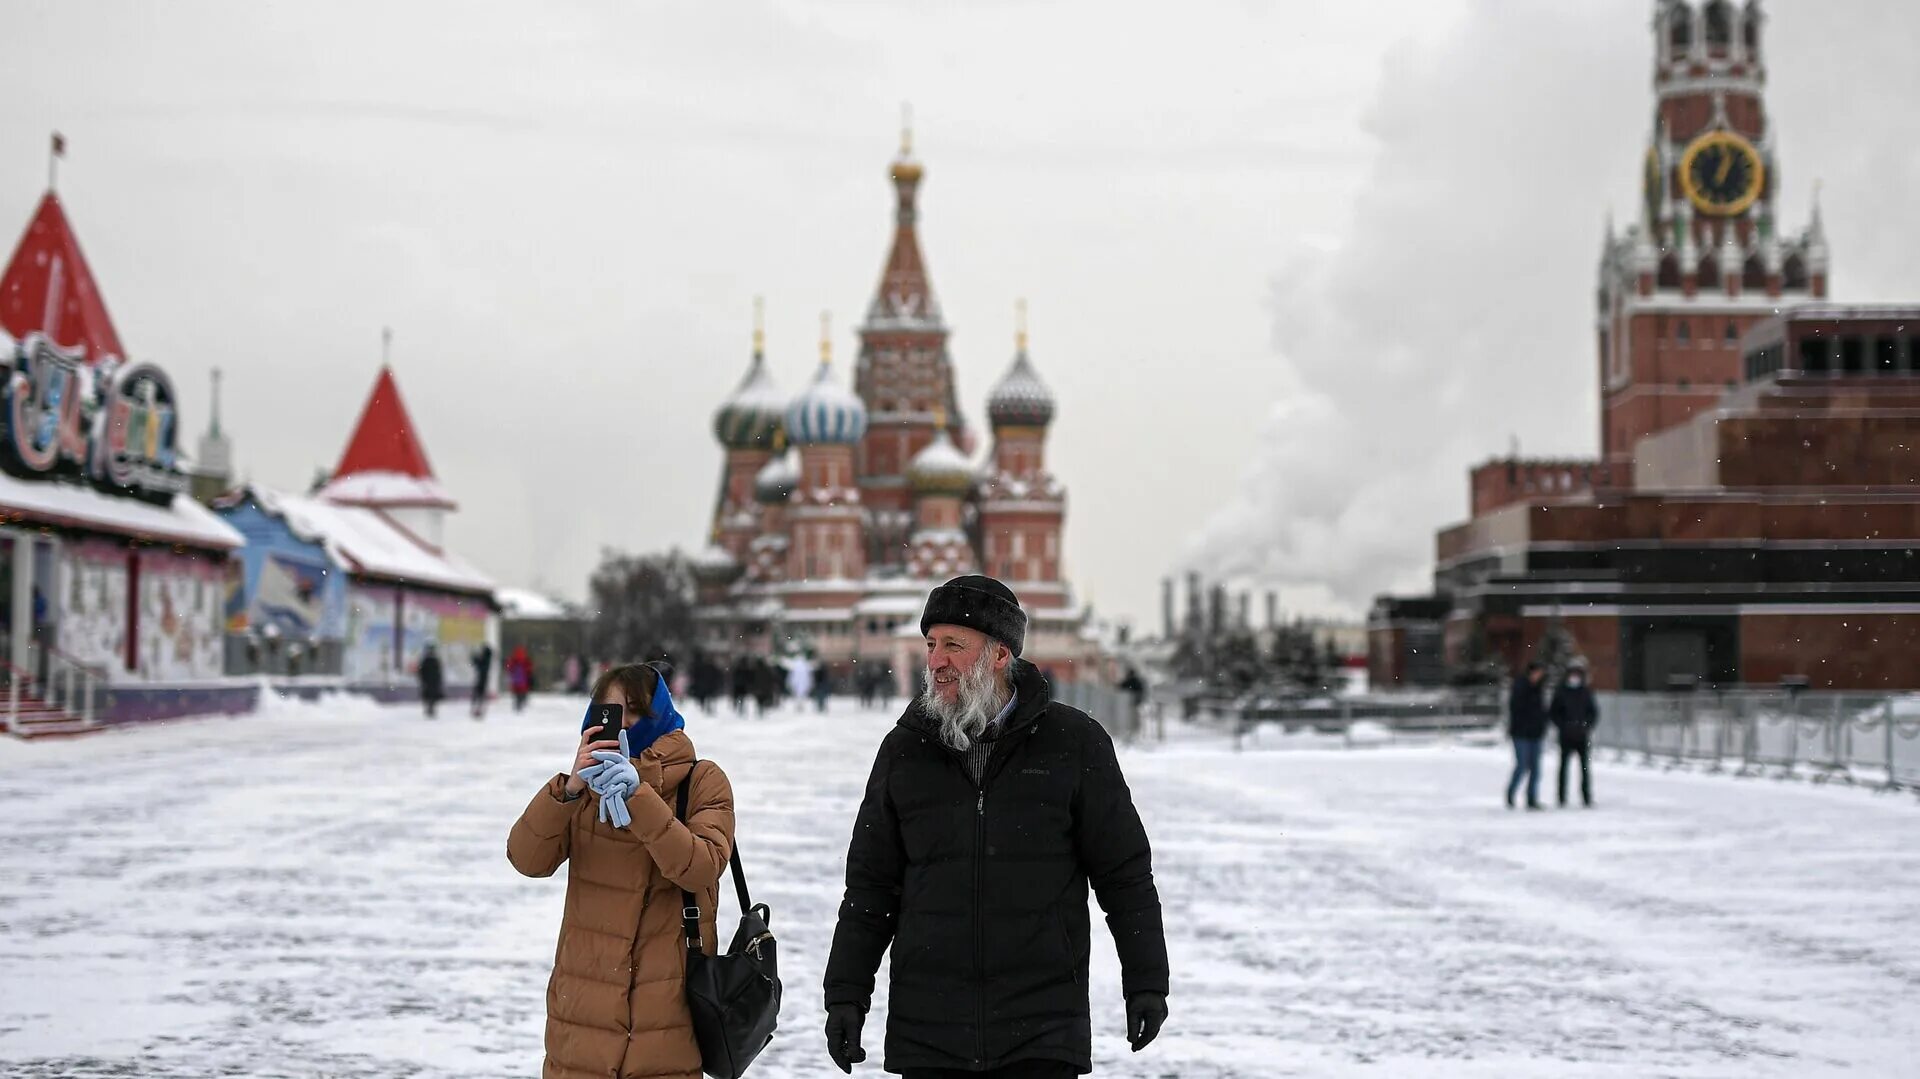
{"x":689,"y":905}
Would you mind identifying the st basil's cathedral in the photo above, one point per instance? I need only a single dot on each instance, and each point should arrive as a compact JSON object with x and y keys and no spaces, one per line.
{"x":840,"y":508}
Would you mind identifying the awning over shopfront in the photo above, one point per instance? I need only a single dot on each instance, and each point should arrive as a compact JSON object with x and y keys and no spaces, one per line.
{"x":71,"y":505}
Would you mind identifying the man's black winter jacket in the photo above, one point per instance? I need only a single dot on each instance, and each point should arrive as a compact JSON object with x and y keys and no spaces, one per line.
{"x":982,"y":890}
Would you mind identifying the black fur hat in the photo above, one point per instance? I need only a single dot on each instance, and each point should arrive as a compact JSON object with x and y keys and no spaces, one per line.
{"x":978,"y":602}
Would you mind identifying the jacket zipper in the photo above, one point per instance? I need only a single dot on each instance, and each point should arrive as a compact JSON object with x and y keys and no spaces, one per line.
{"x":979,"y":922}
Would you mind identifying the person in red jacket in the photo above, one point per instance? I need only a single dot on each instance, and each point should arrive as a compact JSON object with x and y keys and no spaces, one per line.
{"x":520,"y":676}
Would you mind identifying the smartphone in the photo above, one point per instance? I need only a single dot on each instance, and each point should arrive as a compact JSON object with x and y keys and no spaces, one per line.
{"x":608,"y":716}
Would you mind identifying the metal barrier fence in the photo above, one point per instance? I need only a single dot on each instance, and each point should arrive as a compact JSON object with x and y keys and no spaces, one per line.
{"x":1110,"y":706}
{"x":1827,"y":737}
{"x":1427,"y":714}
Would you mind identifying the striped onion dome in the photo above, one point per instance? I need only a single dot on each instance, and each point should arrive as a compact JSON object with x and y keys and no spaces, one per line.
{"x":826,"y":413}
{"x":750,"y":417}
{"x":940,"y":468}
{"x":1020,"y":399}
{"x":776,"y":479}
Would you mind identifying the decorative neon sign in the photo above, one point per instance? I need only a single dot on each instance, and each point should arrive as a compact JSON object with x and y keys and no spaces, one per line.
{"x":109,"y":423}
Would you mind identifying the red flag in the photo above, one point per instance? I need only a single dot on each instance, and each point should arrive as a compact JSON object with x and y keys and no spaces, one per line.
{"x":59,"y":145}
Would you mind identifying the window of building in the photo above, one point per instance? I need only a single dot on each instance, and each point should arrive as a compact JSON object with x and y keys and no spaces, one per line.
{"x":1754,"y":277}
{"x":1886,"y":355}
{"x":1794,"y":274}
{"x":1686,"y":383}
{"x":1684,"y":332}
{"x":1816,"y":355}
{"x":1853,"y":355}
{"x":1669,"y":273}
{"x":1719,"y":23}
{"x":1680,"y":31}
{"x":1733,"y":332}
{"x":1709,"y":274}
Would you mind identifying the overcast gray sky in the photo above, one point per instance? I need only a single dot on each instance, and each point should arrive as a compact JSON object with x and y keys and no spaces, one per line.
{"x":1291,"y":266}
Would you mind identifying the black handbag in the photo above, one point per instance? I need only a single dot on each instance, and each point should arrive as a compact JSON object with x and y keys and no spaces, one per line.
{"x":734,"y":996}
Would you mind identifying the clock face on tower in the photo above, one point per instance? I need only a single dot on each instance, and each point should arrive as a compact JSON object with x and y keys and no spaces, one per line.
{"x":1722,"y":173}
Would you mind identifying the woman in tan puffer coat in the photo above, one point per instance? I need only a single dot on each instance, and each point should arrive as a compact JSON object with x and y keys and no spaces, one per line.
{"x":616,"y":1004}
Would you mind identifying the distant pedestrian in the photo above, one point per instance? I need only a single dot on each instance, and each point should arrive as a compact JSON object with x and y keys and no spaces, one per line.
{"x":520,"y":676}
{"x":1575,"y":714}
{"x":800,"y":678}
{"x":482,"y":672}
{"x":766,"y":684}
{"x":739,"y":683}
{"x":433,"y":678}
{"x":822,"y":685}
{"x":1527,"y":725}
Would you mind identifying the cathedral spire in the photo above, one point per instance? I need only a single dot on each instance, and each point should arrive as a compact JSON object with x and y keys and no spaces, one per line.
{"x":905,"y":296}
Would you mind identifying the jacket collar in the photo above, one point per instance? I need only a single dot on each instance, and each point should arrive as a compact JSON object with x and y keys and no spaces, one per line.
{"x":1028,"y":684}
{"x":669,"y":757}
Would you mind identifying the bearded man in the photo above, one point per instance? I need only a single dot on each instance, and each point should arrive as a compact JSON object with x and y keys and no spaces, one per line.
{"x":990,"y":810}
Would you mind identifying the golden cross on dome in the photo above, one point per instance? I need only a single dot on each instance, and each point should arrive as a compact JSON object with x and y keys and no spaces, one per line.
{"x":826,"y":338}
{"x":906,"y":129}
{"x":1020,"y":325}
{"x":759,"y":325}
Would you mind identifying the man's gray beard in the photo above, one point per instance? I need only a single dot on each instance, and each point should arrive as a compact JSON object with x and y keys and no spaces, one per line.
{"x":966,"y":717}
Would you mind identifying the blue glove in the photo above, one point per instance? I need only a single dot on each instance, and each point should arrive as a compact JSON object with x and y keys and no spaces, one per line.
{"x":614,"y":779}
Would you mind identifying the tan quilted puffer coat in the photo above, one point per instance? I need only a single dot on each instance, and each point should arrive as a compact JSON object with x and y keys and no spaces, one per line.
{"x":616,"y":1004}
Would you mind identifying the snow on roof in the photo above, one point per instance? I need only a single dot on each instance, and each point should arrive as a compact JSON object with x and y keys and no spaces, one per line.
{"x":369,"y":542}
{"x":523,"y":603}
{"x":391,"y":489}
{"x":184,"y":521}
{"x":817,"y":614}
{"x":898,"y":603}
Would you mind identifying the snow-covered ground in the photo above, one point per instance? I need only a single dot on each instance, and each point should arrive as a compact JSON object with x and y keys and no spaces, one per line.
{"x":322,"y":890}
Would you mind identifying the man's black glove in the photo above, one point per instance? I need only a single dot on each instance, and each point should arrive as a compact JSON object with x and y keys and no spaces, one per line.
{"x":1146,"y":1013}
{"x":843,"y":1035}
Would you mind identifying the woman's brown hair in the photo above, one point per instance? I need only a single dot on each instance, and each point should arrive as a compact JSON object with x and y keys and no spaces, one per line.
{"x":636,"y":679}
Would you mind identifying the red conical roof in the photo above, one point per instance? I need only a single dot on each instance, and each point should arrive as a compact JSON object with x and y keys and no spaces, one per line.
{"x":48,"y":288}
{"x":384,"y":440}
{"x":386,"y":455}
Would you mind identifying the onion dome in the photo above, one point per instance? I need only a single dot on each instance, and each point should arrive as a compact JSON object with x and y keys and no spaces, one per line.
{"x":776,"y":480}
{"x":1020,"y":399}
{"x":904,"y":168}
{"x":940,"y":468}
{"x":714,"y":565}
{"x":750,"y":417}
{"x":826,"y":413}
